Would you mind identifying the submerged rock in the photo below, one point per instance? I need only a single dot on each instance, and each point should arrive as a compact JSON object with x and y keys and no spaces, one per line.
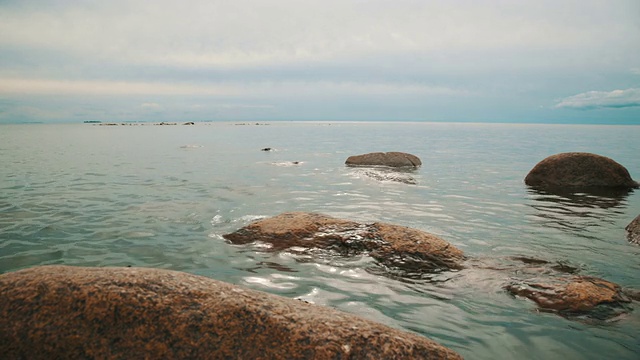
{"x":633,"y":231}
{"x":390,"y":159}
{"x":393,"y":176}
{"x":570,"y":295}
{"x":391,"y":245}
{"x":72,"y":312}
{"x":554,"y":286}
{"x":579,"y":170}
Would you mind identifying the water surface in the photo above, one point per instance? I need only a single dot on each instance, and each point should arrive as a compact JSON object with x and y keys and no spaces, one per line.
{"x":162,"y":196}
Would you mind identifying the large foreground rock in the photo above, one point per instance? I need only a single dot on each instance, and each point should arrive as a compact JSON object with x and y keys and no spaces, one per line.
{"x":392,"y":245}
{"x":60,"y":312}
{"x":579,"y":170}
{"x":390,"y":159}
{"x":633,"y":230}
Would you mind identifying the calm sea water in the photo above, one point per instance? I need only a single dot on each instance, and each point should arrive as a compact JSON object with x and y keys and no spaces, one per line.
{"x":162,"y":196}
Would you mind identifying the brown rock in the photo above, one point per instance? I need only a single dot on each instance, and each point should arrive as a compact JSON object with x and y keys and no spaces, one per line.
{"x":391,"y":159}
{"x":569,"y":293}
{"x":393,"y":245}
{"x":577,"y":169}
{"x":633,"y":231}
{"x":61,"y":312}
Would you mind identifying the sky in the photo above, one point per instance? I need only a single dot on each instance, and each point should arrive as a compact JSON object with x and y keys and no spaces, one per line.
{"x":560,"y":61}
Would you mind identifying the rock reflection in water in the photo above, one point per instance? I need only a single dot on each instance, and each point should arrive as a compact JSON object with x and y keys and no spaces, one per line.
{"x":577,"y":210}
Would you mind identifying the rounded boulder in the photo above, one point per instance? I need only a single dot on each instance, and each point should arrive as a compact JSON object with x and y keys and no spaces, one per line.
{"x":64,"y":312}
{"x":579,"y":170}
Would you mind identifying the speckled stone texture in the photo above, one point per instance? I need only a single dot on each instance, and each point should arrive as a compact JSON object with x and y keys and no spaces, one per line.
{"x":582,"y":170}
{"x":392,"y":245}
{"x":633,"y":231}
{"x":570,"y":294}
{"x":391,"y":159}
{"x":61,"y":312}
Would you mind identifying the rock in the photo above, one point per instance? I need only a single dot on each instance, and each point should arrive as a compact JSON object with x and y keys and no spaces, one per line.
{"x":63,"y":312}
{"x":266,"y":149}
{"x":633,"y":231}
{"x":391,"y":245}
{"x":189,"y":123}
{"x":391,"y":159}
{"x":579,"y":170}
{"x":570,"y":294}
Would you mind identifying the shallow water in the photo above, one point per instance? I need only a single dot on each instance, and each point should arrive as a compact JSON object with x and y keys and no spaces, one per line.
{"x":162,"y":196}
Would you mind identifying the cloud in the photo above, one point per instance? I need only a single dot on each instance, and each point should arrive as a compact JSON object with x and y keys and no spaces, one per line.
{"x":241,"y":106}
{"x":456,"y":59}
{"x":248,"y":33}
{"x":104,"y":87}
{"x":26,"y":86}
{"x":150,"y":106}
{"x":602,"y":99}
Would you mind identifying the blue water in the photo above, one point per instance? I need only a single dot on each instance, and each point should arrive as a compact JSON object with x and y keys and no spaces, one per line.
{"x":162,"y":196}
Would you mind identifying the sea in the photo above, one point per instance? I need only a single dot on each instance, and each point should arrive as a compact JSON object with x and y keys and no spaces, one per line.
{"x":162,"y":196}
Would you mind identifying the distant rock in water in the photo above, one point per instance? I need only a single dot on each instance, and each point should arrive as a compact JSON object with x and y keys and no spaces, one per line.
{"x":392,"y":245}
{"x":64,"y":312}
{"x":386,"y":166}
{"x":390,"y":159}
{"x":266,"y":149}
{"x":579,"y":170}
{"x":633,"y":231}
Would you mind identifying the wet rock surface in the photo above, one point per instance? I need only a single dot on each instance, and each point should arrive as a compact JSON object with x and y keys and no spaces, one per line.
{"x":390,"y":159}
{"x":558,"y":287}
{"x":391,"y":245}
{"x":412,"y":255}
{"x":633,"y":231}
{"x":53,"y":312}
{"x":572,"y":295}
{"x":579,"y":170}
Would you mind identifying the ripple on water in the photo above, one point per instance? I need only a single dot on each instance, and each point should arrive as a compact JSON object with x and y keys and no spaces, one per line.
{"x":148,"y":202}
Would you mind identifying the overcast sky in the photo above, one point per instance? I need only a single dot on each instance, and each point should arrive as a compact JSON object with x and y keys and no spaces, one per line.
{"x":402,"y":60}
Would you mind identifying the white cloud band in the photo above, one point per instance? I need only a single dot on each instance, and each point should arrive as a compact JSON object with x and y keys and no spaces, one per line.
{"x":287,"y":88}
{"x":602,"y":99}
